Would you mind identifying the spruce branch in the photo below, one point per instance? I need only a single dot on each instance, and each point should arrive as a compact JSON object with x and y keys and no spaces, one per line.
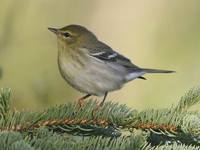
{"x":4,"y":103}
{"x":114,"y":126}
{"x":191,"y":98}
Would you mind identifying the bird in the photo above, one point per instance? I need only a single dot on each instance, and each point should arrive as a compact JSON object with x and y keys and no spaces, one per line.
{"x":91,"y":66}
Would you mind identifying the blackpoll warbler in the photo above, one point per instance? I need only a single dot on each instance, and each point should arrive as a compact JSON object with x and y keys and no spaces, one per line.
{"x":91,"y":66}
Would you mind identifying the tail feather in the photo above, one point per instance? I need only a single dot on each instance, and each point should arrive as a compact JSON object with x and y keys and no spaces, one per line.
{"x":157,"y":71}
{"x":141,"y":71}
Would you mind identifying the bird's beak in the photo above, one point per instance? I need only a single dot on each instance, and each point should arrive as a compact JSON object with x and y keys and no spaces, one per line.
{"x":54,"y":30}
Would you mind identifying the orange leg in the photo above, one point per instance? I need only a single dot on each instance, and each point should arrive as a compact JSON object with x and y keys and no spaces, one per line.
{"x":81,"y":100}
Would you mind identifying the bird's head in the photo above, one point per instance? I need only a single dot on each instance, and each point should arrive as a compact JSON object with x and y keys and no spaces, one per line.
{"x":73,"y":35}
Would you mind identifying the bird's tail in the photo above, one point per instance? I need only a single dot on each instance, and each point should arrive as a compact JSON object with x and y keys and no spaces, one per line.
{"x":157,"y":71}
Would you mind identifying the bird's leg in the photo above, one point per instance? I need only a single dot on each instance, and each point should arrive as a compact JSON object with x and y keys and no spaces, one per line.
{"x":104,"y":98}
{"x":99,"y":105}
{"x":81,"y":100}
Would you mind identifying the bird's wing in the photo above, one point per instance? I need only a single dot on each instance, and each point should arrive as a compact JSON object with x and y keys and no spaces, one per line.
{"x":106,"y":54}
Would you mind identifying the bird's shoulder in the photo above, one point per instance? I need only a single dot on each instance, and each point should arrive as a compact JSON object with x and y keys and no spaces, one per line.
{"x":105,"y":53}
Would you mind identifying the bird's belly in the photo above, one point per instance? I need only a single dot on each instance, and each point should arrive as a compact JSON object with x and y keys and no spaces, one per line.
{"x":95,"y":78}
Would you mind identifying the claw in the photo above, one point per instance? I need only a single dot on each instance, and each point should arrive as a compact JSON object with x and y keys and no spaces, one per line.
{"x":96,"y":109}
{"x":81,"y":102}
{"x":94,"y":112}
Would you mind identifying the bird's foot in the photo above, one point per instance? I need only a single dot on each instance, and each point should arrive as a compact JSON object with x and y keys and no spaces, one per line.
{"x":96,"y":109}
{"x":81,"y":102}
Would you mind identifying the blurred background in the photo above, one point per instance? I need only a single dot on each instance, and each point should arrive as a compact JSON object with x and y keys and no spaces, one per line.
{"x":155,"y":34}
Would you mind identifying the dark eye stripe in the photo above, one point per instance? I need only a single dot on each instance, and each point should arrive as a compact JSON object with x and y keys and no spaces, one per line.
{"x":66,"y":34}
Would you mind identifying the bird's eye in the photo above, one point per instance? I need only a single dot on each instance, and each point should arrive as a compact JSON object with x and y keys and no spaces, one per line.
{"x":66,"y":34}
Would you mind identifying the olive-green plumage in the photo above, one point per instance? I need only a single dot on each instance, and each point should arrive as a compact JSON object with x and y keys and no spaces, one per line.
{"x":90,"y":65}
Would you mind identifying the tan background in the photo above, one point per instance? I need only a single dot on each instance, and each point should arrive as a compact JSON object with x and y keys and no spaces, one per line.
{"x":156,"y":34}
